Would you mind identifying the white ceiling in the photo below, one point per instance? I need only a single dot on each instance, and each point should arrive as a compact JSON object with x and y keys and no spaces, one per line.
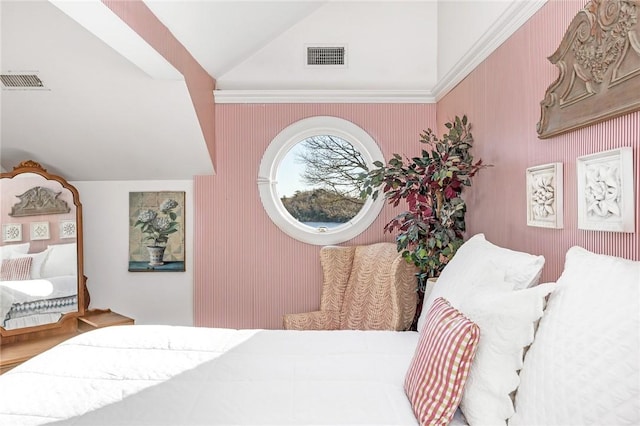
{"x":113,"y":109}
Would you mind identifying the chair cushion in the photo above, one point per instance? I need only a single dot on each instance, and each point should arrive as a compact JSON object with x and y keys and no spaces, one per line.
{"x":437,"y":373}
{"x":582,"y":367}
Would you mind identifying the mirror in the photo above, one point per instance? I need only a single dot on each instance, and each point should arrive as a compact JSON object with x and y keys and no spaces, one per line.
{"x":42,"y":285}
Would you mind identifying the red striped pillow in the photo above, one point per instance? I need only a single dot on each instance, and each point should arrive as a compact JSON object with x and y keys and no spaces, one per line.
{"x":16,"y":269}
{"x":437,"y":374}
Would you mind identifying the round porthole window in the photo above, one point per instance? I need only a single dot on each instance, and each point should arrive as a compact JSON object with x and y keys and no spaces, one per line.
{"x":309,"y":180}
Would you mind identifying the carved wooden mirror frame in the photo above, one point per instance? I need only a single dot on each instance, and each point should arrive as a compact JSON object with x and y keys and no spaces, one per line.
{"x":599,"y":64}
{"x":67,"y":322}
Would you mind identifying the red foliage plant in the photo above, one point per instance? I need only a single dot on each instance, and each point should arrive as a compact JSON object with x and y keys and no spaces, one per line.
{"x":431,"y":230}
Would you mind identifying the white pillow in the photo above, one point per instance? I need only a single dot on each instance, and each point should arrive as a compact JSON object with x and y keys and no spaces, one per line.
{"x":62,"y":260}
{"x":37,"y":261}
{"x":7,"y":250}
{"x":507,"y":323}
{"x":473,"y":261}
{"x":583,"y":367}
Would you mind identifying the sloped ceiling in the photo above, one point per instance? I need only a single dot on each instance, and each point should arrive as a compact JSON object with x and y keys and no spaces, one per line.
{"x":113,"y":109}
{"x":389,"y":46}
{"x":100,"y":117}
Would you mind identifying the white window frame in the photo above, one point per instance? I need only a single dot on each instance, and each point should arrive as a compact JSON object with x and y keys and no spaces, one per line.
{"x":276,"y":152}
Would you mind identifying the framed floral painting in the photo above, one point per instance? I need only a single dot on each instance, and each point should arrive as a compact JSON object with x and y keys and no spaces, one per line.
{"x":544,"y":196}
{"x":156,"y":231}
{"x":605,"y":191}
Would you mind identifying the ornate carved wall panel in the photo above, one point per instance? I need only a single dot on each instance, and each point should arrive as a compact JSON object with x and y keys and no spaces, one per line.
{"x":599,"y":64}
{"x":39,"y":201}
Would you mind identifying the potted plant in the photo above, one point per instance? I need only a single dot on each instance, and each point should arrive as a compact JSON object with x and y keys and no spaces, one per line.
{"x":157,"y":228}
{"x":431,"y":230}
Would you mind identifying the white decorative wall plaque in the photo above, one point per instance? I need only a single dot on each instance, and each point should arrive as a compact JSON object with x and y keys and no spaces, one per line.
{"x":67,"y":229}
{"x":544,"y":196}
{"x":11,"y":232}
{"x":40,"y":230}
{"x":605,"y":191}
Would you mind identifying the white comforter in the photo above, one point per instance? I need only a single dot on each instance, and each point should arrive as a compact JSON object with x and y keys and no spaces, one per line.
{"x":161,"y":375}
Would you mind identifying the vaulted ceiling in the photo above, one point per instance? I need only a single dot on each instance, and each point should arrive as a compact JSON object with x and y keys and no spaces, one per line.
{"x":113,"y":108}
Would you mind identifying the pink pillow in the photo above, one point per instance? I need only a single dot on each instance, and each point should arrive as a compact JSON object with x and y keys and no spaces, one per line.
{"x":16,"y":269}
{"x":437,"y":374}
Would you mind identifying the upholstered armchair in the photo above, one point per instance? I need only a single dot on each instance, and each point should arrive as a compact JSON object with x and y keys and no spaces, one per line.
{"x":364,"y":288}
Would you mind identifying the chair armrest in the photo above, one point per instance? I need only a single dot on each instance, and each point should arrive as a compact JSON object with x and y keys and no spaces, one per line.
{"x":317,"y":320}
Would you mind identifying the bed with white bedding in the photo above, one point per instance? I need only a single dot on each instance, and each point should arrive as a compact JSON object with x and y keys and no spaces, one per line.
{"x":27,"y":303}
{"x":37,"y":288}
{"x":157,"y":375}
{"x":582,"y":368}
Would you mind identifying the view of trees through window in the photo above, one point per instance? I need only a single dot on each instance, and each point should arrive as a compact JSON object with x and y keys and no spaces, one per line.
{"x":318,"y":181}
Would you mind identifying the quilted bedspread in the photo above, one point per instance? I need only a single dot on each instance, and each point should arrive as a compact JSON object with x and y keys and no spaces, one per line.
{"x":160,"y":375}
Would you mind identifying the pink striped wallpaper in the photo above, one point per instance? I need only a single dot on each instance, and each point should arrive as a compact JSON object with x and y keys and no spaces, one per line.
{"x":248,"y":272}
{"x":501,"y":98}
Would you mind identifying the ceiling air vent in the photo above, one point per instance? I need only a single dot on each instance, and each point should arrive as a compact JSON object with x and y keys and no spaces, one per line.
{"x":326,"y":55}
{"x":21,"y":81}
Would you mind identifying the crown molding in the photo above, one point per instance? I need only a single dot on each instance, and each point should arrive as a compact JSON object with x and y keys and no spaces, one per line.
{"x":508,"y":23}
{"x":514,"y":16}
{"x":323,"y":96}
